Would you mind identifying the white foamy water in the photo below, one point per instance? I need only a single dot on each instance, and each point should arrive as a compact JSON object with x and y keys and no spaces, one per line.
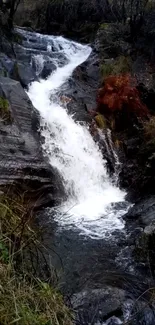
{"x":72,"y":150}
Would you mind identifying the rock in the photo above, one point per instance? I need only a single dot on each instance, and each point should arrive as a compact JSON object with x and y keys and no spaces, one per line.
{"x":113,"y":321}
{"x":150,"y":229}
{"x":48,"y":68}
{"x":21,"y":158}
{"x":131,"y":146}
{"x":82,"y":89}
{"x":98,"y":305}
{"x":142,"y":214}
{"x":23,"y":73}
{"x":7,"y":65}
{"x":142,"y":71}
{"x":147,"y":95}
{"x":143,"y":210}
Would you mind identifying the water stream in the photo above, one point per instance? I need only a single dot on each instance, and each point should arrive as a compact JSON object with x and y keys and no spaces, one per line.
{"x":92,"y":249}
{"x":70,"y":148}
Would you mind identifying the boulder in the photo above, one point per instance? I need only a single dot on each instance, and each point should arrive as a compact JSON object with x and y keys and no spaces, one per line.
{"x":143,"y":210}
{"x":23,"y":73}
{"x":99,"y":305}
{"x":48,"y":68}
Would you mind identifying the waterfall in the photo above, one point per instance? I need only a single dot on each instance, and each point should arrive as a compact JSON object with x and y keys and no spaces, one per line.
{"x":91,"y":195}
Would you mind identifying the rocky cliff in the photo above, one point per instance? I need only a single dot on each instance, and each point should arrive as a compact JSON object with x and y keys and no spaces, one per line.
{"x":22,"y":164}
{"x":133,"y":136}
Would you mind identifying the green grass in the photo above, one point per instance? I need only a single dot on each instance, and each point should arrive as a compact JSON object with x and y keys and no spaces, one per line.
{"x":24,"y":303}
{"x":24,"y":298}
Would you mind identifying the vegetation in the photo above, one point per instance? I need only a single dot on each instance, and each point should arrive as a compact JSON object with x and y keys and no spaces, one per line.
{"x":25,"y":303}
{"x":79,"y":18}
{"x":5,"y":110}
{"x":10,"y":7}
{"x":149,"y":129}
{"x":121,"y":65}
{"x":24,"y":298}
{"x":100,"y":120}
{"x":76,"y":13}
{"x":120,"y":93}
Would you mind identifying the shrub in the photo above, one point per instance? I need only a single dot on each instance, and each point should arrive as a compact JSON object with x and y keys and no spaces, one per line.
{"x":121,"y":65}
{"x":119,"y":93}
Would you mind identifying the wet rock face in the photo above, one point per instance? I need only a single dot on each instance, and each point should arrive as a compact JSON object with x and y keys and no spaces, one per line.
{"x":23,"y":73}
{"x":21,"y":158}
{"x":111,"y":306}
{"x":81,"y":88}
{"x":99,"y":305}
{"x":26,"y":57}
{"x":141,"y":217}
{"x":31,"y":58}
{"x":143,"y":211}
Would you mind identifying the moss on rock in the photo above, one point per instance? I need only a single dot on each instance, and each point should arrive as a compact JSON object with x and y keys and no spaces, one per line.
{"x":5,"y":113}
{"x":104,"y":26}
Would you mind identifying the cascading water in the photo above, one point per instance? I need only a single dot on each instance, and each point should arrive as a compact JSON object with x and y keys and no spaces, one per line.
{"x":100,"y":276}
{"x":91,"y":196}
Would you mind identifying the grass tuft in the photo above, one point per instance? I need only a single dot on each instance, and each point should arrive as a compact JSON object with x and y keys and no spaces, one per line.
{"x":24,"y":298}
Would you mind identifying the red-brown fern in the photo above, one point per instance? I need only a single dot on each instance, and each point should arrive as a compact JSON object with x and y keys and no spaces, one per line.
{"x":119,"y":92}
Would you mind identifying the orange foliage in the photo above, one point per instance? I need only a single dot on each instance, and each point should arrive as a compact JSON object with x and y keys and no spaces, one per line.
{"x":118,"y":93}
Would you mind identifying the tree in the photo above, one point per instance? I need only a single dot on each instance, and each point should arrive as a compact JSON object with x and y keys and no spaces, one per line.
{"x":13,"y":5}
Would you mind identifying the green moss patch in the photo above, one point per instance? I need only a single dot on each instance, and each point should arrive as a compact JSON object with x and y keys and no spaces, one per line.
{"x":5,"y":113}
{"x":104,"y":25}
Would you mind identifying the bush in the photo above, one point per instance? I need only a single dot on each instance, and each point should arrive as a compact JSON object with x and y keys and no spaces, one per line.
{"x":119,"y":93}
{"x":121,"y":65}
